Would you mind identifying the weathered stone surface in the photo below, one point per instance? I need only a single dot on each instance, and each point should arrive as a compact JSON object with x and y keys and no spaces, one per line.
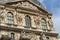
{"x":32,"y":33}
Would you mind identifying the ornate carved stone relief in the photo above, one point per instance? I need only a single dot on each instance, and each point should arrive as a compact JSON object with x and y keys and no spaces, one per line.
{"x":26,"y":35}
{"x":42,"y":36}
{"x":37,"y":21}
{"x":1,"y":14}
{"x":18,"y":18}
{"x":26,"y":5}
{"x":50,"y":22}
{"x":1,"y":17}
{"x":4,"y":37}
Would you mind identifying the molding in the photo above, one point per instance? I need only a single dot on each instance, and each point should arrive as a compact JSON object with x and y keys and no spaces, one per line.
{"x":7,"y":28}
{"x":27,"y":9}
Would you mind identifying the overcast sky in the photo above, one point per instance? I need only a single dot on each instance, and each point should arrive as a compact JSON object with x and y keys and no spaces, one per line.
{"x":54,"y":7}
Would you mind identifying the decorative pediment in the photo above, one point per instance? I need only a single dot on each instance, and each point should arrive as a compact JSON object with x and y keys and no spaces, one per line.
{"x":25,"y":4}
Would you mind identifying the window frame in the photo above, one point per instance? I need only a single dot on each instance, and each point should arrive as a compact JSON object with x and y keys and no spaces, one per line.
{"x":10,"y":18}
{"x":27,"y":19}
{"x":12,"y":36}
{"x":43,"y":23}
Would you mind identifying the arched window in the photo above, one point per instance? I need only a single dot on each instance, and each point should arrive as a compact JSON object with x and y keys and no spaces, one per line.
{"x":28,"y":21}
{"x":43,"y":22}
{"x":10,"y":18}
{"x":12,"y":36}
{"x":47,"y":38}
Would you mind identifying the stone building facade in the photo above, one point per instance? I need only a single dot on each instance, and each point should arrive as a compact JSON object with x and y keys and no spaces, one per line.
{"x":25,"y":20}
{"x":58,"y":38}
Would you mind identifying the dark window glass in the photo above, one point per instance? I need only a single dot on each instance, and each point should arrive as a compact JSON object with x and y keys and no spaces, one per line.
{"x":28,"y":21}
{"x":12,"y":36}
{"x":10,"y":18}
{"x":47,"y":38}
{"x":43,"y":22}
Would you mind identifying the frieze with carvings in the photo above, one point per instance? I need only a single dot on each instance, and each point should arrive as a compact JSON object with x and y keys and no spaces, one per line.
{"x":25,"y":5}
{"x":26,"y":35}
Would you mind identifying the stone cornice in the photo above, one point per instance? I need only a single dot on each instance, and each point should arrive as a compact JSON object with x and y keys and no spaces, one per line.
{"x":27,"y":9}
{"x":40,"y":11}
{"x":38,"y":6}
{"x":36,"y":31}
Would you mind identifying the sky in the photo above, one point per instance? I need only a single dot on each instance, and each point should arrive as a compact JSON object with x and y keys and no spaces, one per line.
{"x":54,"y":7}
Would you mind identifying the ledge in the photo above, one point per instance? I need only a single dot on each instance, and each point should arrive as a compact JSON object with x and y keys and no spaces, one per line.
{"x":26,"y":9}
{"x":21,"y":28}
